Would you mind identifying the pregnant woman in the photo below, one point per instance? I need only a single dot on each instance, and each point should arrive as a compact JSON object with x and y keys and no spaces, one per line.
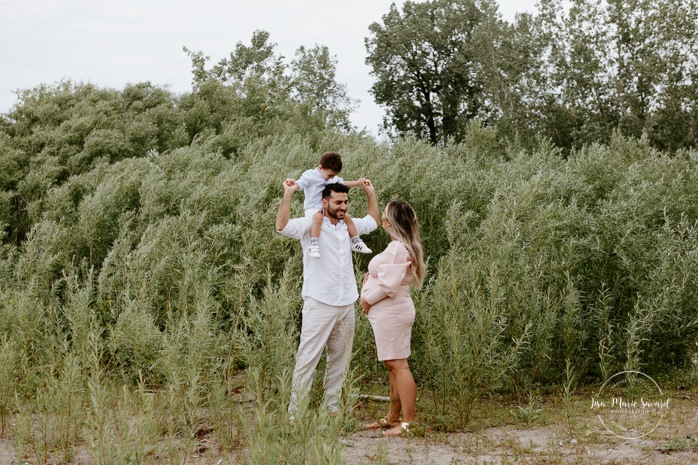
{"x":386,"y":301}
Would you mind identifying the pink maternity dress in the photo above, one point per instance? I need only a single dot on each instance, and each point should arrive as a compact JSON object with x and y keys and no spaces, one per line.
{"x":387,"y":289}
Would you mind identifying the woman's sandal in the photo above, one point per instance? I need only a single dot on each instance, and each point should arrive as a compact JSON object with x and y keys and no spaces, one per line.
{"x":402,"y":428}
{"x":384,"y":422}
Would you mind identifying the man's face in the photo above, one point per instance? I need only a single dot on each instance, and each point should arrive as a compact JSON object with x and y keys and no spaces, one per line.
{"x":336,"y":205}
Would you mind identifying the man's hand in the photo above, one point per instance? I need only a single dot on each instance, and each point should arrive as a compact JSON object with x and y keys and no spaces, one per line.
{"x":284,"y":213}
{"x":370,"y":192}
{"x":364,"y":184}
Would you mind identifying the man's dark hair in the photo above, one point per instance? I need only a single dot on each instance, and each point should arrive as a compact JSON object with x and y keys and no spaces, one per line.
{"x":331,"y":161}
{"x":334,"y":187}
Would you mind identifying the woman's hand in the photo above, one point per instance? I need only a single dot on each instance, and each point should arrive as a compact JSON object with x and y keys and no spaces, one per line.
{"x":365,"y":306}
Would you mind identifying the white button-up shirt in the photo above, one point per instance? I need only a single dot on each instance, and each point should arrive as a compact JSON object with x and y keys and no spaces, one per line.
{"x":329,"y":279}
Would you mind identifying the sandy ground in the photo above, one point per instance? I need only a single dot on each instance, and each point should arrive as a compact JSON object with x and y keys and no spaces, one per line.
{"x":509,"y":445}
{"x":583,"y":441}
{"x":675,"y":441}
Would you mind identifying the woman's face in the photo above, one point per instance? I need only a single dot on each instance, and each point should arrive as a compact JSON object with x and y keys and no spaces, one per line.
{"x":384,"y":221}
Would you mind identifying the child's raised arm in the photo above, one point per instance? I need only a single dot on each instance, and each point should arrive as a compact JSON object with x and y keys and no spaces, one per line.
{"x":358,"y":183}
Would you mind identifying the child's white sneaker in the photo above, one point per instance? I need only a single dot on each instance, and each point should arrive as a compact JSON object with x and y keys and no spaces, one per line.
{"x":357,"y":245}
{"x":314,"y":250}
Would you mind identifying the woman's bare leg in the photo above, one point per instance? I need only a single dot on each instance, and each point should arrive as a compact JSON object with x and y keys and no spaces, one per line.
{"x":395,"y":404}
{"x":393,"y":416}
{"x":406,"y":389}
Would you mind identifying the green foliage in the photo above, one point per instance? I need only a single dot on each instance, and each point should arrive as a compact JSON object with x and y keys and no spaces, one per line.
{"x":607,"y":65}
{"x":65,"y":130}
{"x":425,"y":62}
{"x":313,"y":80}
{"x":265,"y":88}
{"x":574,"y":73}
{"x":8,"y":380}
{"x":467,"y":325}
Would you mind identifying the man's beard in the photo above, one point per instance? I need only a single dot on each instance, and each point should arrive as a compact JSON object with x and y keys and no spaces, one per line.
{"x":337,"y":214}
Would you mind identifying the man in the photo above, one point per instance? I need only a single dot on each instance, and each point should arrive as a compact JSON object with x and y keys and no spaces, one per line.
{"x":329,"y":290}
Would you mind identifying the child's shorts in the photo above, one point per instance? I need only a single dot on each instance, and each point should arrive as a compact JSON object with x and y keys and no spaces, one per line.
{"x":311,"y":211}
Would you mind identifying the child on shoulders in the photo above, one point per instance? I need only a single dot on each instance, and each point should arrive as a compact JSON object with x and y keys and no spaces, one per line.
{"x":312,"y":182}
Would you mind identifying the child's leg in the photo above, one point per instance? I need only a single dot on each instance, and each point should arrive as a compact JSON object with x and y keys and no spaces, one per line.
{"x":357,"y":245}
{"x":351,"y":227}
{"x":315,"y":228}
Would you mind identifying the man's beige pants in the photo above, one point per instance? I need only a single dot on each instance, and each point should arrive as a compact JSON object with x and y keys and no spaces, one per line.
{"x":322,"y":326}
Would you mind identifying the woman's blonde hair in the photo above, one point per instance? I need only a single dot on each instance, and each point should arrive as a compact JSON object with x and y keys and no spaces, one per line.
{"x":404,"y":227}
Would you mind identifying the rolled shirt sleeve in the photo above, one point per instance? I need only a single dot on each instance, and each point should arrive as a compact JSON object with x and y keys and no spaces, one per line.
{"x":365,"y":225}
{"x":304,"y":181}
{"x":297,"y":227}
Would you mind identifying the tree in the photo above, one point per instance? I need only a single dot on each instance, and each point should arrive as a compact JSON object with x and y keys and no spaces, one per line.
{"x":507,"y":57}
{"x":656,"y":57}
{"x":616,"y":64}
{"x":427,"y":68}
{"x":255,"y":73}
{"x":267,"y":86}
{"x":313,"y":73}
{"x":61,"y":131}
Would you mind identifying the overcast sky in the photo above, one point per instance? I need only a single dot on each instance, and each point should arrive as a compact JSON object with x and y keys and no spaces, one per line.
{"x":112,"y":43}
